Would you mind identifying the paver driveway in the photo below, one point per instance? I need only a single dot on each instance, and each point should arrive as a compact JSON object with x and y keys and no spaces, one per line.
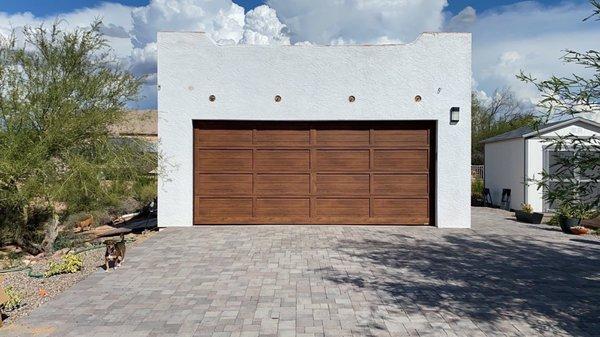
{"x":502,"y":278}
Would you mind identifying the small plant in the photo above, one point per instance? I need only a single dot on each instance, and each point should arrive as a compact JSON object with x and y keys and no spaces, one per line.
{"x":554,"y":221}
{"x":70,"y":263}
{"x":527,"y":208}
{"x":14,"y":299}
{"x":477,"y":187}
{"x":575,"y":211}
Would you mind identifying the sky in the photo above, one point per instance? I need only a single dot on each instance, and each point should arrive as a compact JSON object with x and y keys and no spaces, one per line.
{"x":52,"y":7}
{"x":508,"y":35}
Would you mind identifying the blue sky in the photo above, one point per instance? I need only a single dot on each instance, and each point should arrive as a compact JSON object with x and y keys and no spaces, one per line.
{"x":508,"y":35}
{"x":53,"y":7}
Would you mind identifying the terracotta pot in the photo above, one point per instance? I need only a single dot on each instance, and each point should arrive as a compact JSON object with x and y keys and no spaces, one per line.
{"x":579,"y":230}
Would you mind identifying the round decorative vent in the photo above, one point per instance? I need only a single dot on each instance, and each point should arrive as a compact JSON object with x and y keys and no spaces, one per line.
{"x":351,"y":99}
{"x":212,"y":98}
{"x":418,"y":98}
{"x":277,"y":98}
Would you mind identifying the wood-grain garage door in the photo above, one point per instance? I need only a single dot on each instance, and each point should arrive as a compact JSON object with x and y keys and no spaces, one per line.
{"x":313,"y":173}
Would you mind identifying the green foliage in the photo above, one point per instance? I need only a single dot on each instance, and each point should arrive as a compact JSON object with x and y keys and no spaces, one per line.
{"x":60,"y":92}
{"x":477,"y":186}
{"x":502,"y":113}
{"x":554,"y":220}
{"x":15,"y":299}
{"x":70,"y":263}
{"x":145,"y":190}
{"x":574,"y":183}
{"x":68,"y":239}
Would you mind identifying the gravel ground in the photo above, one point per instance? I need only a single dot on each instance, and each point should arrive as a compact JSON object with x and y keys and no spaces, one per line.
{"x":31,"y":288}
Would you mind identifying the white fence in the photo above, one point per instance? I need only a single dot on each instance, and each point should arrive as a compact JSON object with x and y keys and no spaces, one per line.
{"x":477,"y":171}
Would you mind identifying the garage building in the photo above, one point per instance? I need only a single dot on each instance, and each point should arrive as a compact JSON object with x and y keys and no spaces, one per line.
{"x":363,"y":135}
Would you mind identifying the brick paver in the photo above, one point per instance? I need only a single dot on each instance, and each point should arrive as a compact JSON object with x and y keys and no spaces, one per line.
{"x":502,"y":278}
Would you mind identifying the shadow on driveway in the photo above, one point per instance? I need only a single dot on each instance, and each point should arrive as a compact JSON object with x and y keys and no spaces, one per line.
{"x":490,"y":280}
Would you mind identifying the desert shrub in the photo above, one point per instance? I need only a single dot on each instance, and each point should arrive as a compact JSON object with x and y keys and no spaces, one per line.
{"x":70,"y":263}
{"x":62,"y":91}
{"x":67,"y":239}
{"x":145,"y":191}
{"x":15,"y":299}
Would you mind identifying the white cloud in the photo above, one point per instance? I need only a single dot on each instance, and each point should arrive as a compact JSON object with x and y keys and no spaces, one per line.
{"x":526,"y":35}
{"x":263,"y":27}
{"x":359,"y":21}
{"x":222,"y":20}
{"x":463,"y":20}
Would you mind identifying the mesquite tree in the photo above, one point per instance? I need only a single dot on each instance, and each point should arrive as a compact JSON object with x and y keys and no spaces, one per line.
{"x":572,"y":184}
{"x":60,"y":91}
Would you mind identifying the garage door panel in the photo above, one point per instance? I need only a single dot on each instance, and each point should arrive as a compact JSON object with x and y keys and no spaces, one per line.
{"x":282,"y":137}
{"x":342,"y":160}
{"x":401,"y":184}
{"x":342,"y":137}
{"x":401,"y":208}
{"x":282,"y":207}
{"x":209,"y":137}
{"x":329,"y":207}
{"x":401,"y":137}
{"x":223,"y":160}
{"x":313,"y":172}
{"x":282,"y":184}
{"x":342,"y":184}
{"x":210,"y":184}
{"x":282,"y":160}
{"x":401,"y":160}
{"x":211,"y":208}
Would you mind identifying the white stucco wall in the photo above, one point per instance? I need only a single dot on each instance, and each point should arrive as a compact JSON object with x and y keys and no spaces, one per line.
{"x":504,"y":168}
{"x":314,"y":82}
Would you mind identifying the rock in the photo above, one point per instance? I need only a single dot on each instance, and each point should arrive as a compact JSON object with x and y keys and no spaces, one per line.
{"x":61,"y":252}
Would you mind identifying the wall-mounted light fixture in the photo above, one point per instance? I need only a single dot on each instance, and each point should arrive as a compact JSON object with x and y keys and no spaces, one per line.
{"x":277,"y":98}
{"x":418,"y":98}
{"x":212,"y":98}
{"x":351,"y":99}
{"x":454,"y":115}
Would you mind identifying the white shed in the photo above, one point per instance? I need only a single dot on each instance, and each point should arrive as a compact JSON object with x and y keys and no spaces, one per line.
{"x":515,"y":155}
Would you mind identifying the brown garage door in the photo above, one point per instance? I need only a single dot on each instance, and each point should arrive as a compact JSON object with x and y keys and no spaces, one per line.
{"x":313,"y":173}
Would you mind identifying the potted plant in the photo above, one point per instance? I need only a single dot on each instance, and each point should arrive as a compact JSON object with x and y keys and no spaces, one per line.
{"x":526,"y":214}
{"x":567,"y":218}
{"x":570,"y":216}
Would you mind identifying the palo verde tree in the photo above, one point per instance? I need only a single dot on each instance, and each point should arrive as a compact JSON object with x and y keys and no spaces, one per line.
{"x":60,"y":91}
{"x":573,"y":181}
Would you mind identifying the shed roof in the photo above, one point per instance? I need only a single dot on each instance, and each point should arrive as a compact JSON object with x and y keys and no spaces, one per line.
{"x":529,"y":131}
